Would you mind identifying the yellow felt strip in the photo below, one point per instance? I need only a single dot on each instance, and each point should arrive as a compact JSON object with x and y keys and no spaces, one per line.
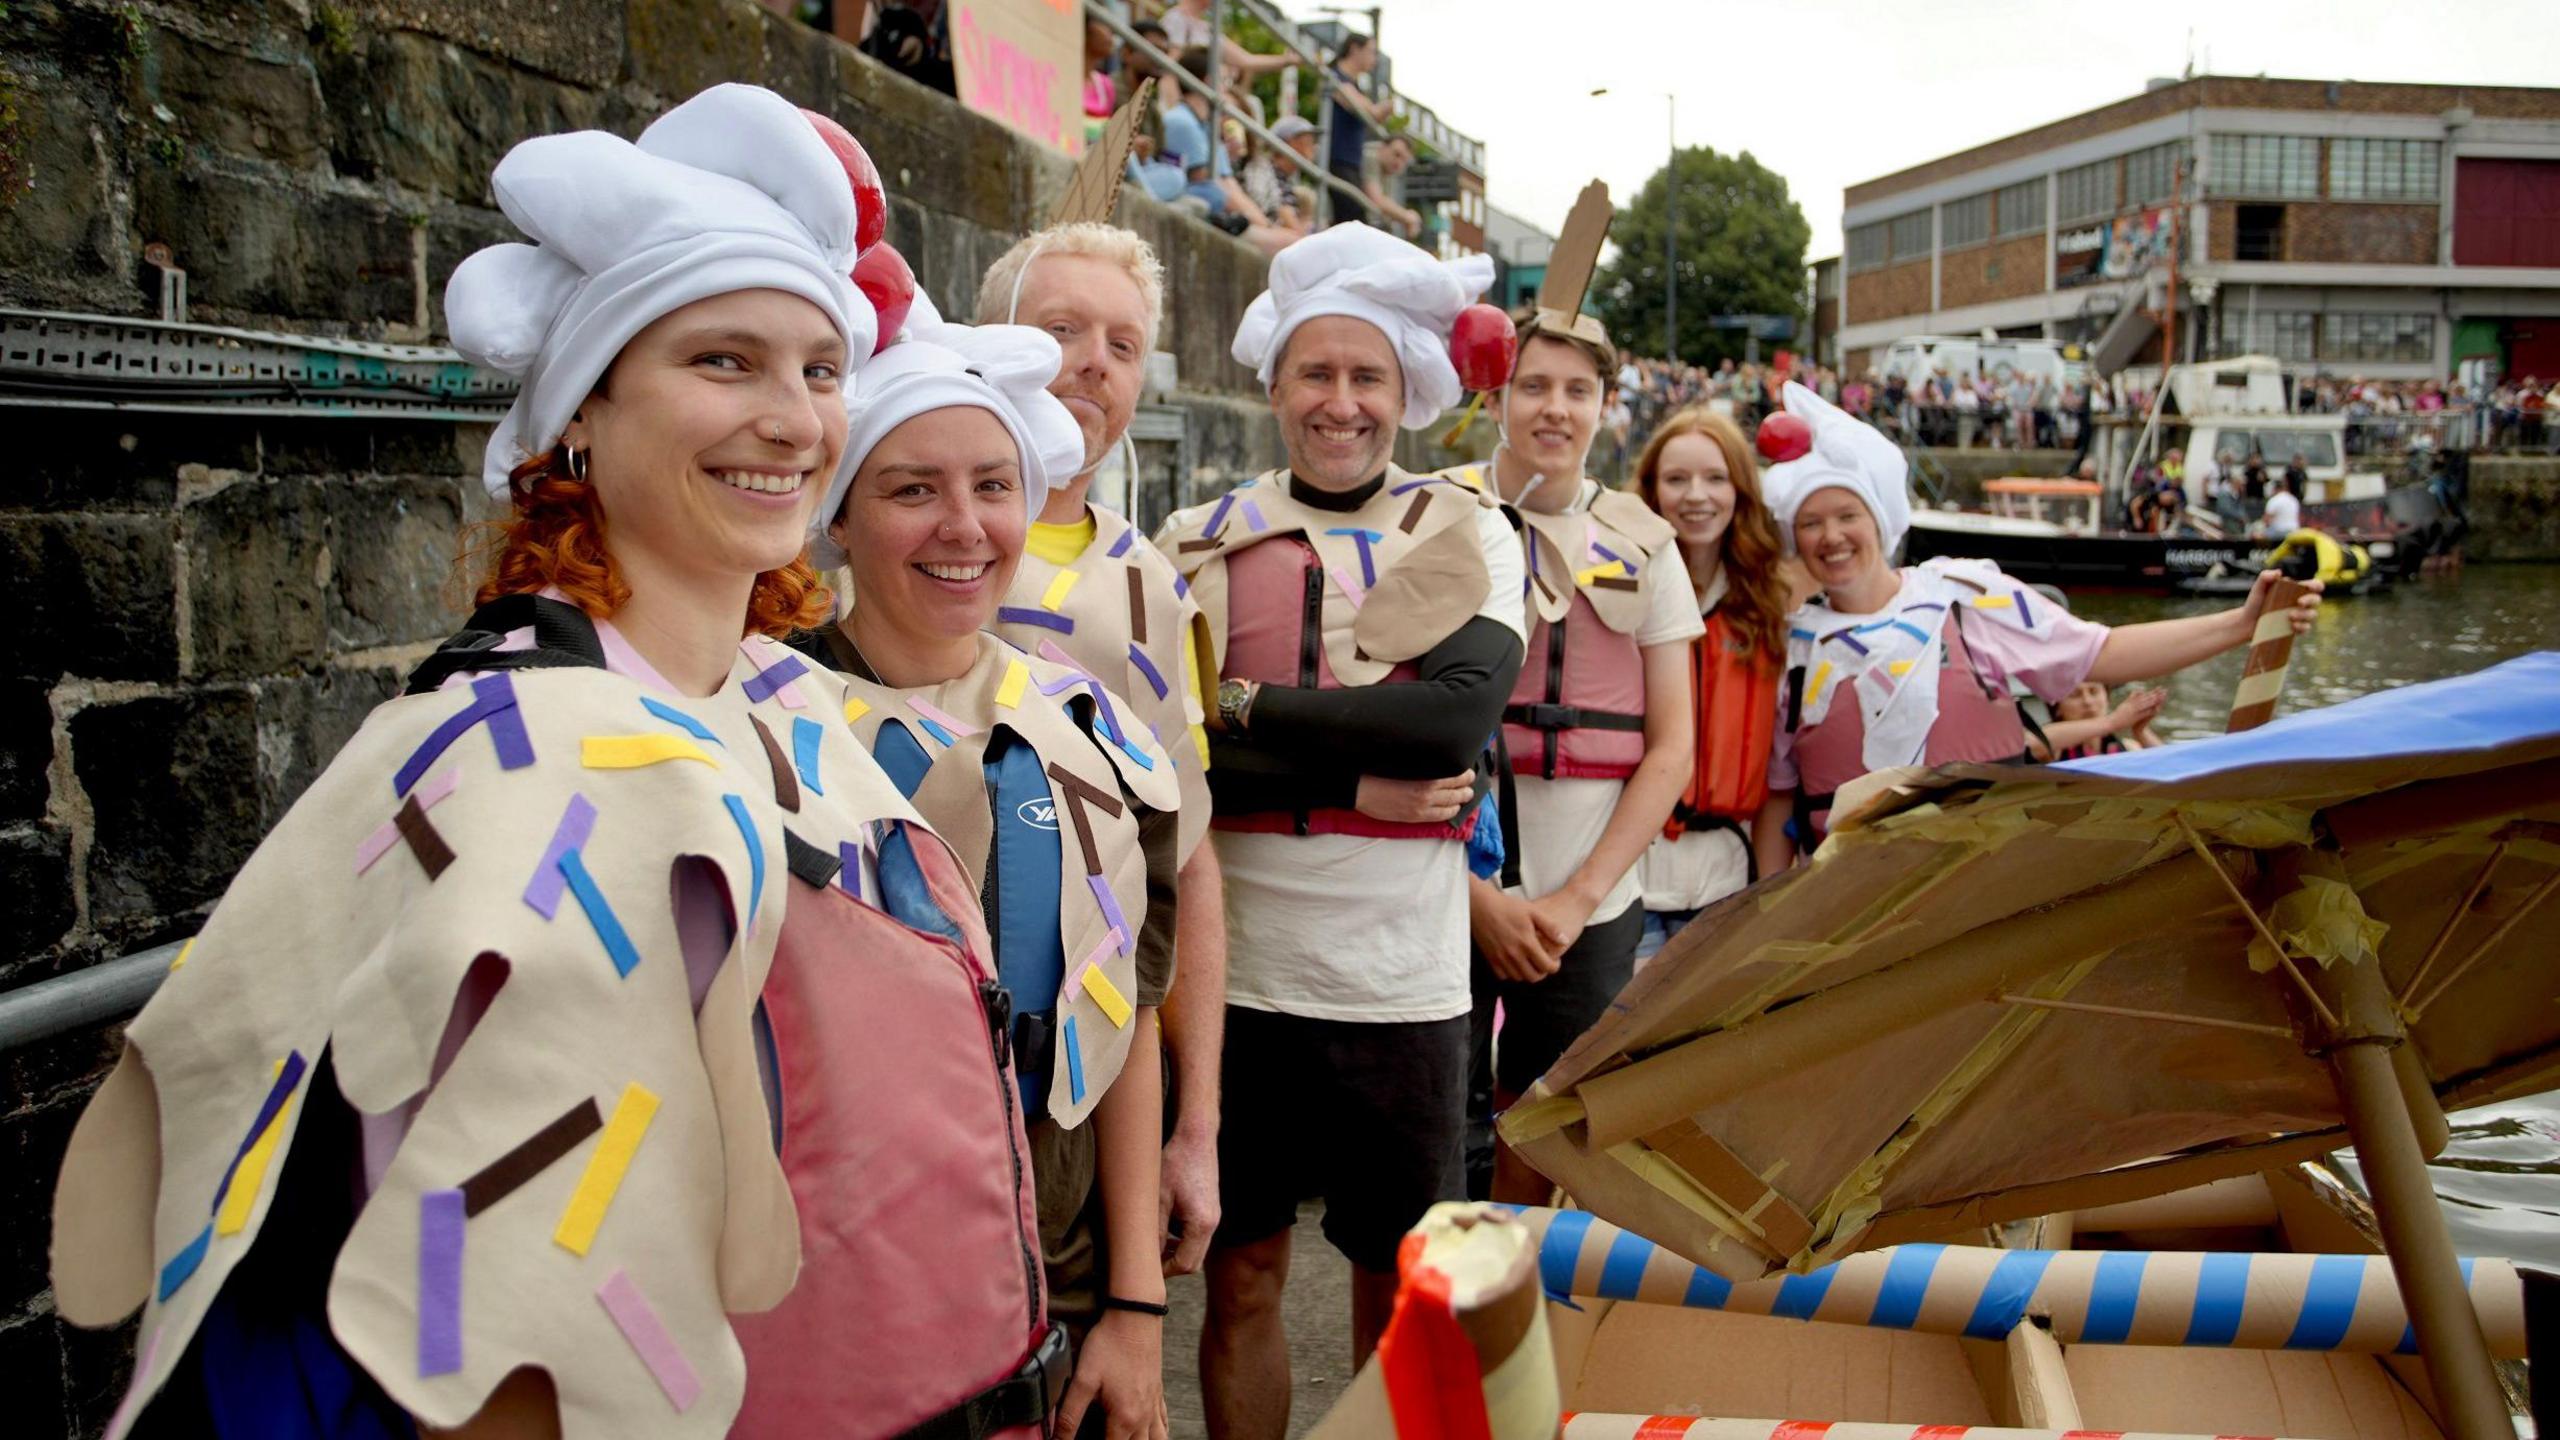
{"x":1200,"y":738}
{"x":1993,"y":602}
{"x":1056,"y":594}
{"x":1586,"y":576}
{"x":1900,"y":667}
{"x":252,"y":1172}
{"x":612,"y":1157}
{"x":629,"y":752}
{"x":1821,"y":673}
{"x":1016,"y":675}
{"x":855,"y":709}
{"x":1107,"y":995}
{"x":183,"y":952}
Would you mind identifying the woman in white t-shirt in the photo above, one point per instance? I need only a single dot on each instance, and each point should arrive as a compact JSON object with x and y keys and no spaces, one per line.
{"x":1698,"y":473}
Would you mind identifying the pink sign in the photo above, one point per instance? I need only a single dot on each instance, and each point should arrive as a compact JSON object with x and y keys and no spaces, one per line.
{"x":1019,"y":61}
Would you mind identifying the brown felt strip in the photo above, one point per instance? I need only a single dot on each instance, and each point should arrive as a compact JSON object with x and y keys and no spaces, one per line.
{"x":500,"y":1177}
{"x":1413,"y":512}
{"x":1108,"y":802}
{"x":1613,"y":582}
{"x":1137,"y":604}
{"x":786,"y":782}
{"x":423,"y":840}
{"x":1189,"y":545}
{"x":1084,"y":830}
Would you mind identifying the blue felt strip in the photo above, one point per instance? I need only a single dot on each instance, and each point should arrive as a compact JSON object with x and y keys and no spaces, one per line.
{"x":2222,"y":1290}
{"x":1800,"y":1295}
{"x":2328,"y":1303}
{"x":1561,"y":1250}
{"x":2114,"y":1292}
{"x":805,"y":733}
{"x":1905,"y":1285}
{"x":680,"y":720}
{"x":942,"y":737}
{"x":1623,"y":1270}
{"x":1075,"y":1064}
{"x":1707,"y":1290}
{"x":2004,"y":1298}
{"x":755,"y":852}
{"x":608,"y":926}
{"x":1914,"y":631}
{"x":286,"y":1079}
{"x":184,"y":1263}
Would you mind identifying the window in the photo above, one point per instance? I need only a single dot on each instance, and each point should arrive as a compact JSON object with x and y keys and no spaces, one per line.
{"x":1965,"y":222}
{"x":1866,"y":247}
{"x":2257,"y":232}
{"x":2151,"y":176}
{"x":2284,"y":334}
{"x":2280,"y":166}
{"x":2085,"y":192}
{"x":2021,"y":208}
{"x":1909,"y":235}
{"x":2377,"y":337}
{"x":2317,"y":448}
{"x":2383,"y":169}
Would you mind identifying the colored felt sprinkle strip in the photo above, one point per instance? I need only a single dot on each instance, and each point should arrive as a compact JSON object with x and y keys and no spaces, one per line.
{"x":240,"y":1191}
{"x":1368,"y":561}
{"x":493,"y":702}
{"x":805,"y":733}
{"x":855,"y":709}
{"x":379,"y":843}
{"x":1853,"y":642}
{"x":184,"y":1263}
{"x":608,"y":926}
{"x":183,"y":952}
{"x":1587,"y":576}
{"x":772,"y":680}
{"x":1218,"y":516}
{"x":439,"y":1282}
{"x":1181,"y":586}
{"x":2026,"y":612}
{"x":639,"y":1324}
{"x":1016,"y":676}
{"x":680,"y":720}
{"x":605,"y":1168}
{"x":1137,"y":605}
{"x":1614,"y":582}
{"x":1147,"y":668}
{"x":577,"y":822}
{"x":631,"y":752}
{"x":849,"y":878}
{"x":1076,"y":785}
{"x":1021,"y":615}
{"x":1352,"y":590}
{"x":1108,"y":996}
{"x":935,"y":716}
{"x":288,"y":1074}
{"x":1413,"y":513}
{"x":1120,"y":546}
{"x":941,"y":737}
{"x":1075,"y":1063}
{"x":1103,"y":947}
{"x":755,"y":852}
{"x":434,"y":856}
{"x":1821,"y":673}
{"x":1110,"y":904}
{"x":786,"y":789}
{"x":1059,"y":585}
{"x":505,"y":1175}
{"x":1253,"y":520}
{"x":1136,"y":756}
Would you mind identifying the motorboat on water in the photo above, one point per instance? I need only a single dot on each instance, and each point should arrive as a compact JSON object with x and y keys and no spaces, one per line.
{"x":2052,"y":532}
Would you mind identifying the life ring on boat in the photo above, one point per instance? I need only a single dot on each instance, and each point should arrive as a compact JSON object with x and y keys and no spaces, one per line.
{"x":2309,"y":554}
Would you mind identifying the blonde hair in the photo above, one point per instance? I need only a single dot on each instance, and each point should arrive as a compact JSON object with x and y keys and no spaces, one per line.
{"x":1134,"y":256}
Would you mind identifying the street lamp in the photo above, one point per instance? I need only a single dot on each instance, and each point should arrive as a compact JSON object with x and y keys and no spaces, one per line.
{"x":1670,"y":226}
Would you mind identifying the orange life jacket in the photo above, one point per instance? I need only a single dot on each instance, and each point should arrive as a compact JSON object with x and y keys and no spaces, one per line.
{"x":1736,"y":692}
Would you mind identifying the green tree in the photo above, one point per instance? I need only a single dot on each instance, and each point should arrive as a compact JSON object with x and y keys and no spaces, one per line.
{"x":1739,"y":251}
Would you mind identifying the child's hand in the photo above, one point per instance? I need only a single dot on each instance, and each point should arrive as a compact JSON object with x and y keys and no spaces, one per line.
{"x":2136,"y":709}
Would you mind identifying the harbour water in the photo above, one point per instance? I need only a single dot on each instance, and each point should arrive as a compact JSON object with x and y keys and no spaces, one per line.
{"x":2499,"y":1179}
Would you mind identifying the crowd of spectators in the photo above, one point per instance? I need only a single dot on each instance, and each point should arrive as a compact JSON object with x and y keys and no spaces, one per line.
{"x":2393,"y":415}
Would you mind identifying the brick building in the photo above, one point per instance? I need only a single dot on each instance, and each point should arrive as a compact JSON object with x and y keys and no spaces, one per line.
{"x":2353,"y":228}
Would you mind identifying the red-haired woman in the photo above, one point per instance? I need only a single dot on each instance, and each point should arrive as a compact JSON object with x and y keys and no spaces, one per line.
{"x":466,"y":1107}
{"x":1697,"y":472}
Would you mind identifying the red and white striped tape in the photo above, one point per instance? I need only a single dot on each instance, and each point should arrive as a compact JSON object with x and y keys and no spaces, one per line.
{"x":1587,"y":1426}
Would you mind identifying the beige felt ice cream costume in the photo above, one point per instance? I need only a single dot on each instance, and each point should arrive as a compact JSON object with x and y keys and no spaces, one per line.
{"x":586,"y":1181}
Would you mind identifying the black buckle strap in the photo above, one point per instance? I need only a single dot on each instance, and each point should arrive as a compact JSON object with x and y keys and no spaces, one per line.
{"x":1023,"y":1398}
{"x":1570,"y":717}
{"x":563,"y":636}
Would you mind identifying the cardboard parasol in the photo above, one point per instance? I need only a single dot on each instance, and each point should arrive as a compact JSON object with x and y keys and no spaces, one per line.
{"x":2002,"y":991}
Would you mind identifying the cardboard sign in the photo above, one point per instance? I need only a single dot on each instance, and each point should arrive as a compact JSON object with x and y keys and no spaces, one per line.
{"x":1022,"y":62}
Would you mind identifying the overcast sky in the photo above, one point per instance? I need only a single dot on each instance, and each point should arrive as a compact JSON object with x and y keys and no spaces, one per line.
{"x":1829,"y":94}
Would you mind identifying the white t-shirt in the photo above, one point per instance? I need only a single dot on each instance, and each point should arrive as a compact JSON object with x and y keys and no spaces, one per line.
{"x":1702,"y":866}
{"x":1183,"y":30}
{"x":1345,"y":927}
{"x":2284,"y":514}
{"x":1561,"y":820}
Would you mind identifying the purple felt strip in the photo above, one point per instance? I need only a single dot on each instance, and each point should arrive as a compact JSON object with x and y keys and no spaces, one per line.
{"x":849,"y":876}
{"x":277,"y":1094}
{"x":763,"y":683}
{"x":1253,"y":518}
{"x":1120,"y":546}
{"x":1218,"y":517}
{"x":1046,"y":619}
{"x":577,"y":822}
{"x":1110,"y":904}
{"x":439,"y":1282}
{"x":491,"y":697}
{"x":1181,"y":587}
{"x":1147,"y":668}
{"x":2026,"y":612}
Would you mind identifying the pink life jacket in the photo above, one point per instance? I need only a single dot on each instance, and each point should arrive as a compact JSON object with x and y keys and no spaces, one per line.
{"x":1977,"y":721}
{"x":1577,"y":710}
{"x":920,"y":1277}
{"x":1275,"y":594}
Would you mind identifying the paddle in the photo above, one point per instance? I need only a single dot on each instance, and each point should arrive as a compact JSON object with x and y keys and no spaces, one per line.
{"x":2270,"y":650}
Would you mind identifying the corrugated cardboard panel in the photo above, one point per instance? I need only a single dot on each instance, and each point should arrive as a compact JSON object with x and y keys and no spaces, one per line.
{"x":2242,"y":1392}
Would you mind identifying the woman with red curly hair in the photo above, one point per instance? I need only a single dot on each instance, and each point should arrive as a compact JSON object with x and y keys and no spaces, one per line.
{"x":1697,"y":472}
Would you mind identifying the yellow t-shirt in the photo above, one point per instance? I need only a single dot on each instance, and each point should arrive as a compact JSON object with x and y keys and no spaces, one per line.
{"x":1061,"y":544}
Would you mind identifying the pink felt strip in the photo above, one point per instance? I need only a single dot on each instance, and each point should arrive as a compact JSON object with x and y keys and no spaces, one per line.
{"x":788,"y":692}
{"x":940,"y":717}
{"x":639,"y":1323}
{"x":1350,"y":587}
{"x":1253,"y":518}
{"x":1050,"y":652}
{"x":387,"y":834}
{"x":1106,"y":945}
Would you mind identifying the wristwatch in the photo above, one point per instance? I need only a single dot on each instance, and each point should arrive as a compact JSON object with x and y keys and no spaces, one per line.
{"x":1235,"y":697}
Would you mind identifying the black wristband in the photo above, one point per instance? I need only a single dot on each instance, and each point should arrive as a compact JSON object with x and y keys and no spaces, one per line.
{"x":1135,"y":1307}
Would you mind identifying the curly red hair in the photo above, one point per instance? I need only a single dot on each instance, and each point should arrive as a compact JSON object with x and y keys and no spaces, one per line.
{"x":555,"y":540}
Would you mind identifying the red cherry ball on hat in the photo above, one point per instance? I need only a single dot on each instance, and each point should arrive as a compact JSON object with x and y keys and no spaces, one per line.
{"x":884,"y":279}
{"x":870,"y":199}
{"x":1784,"y":436}
{"x":1483,"y":345}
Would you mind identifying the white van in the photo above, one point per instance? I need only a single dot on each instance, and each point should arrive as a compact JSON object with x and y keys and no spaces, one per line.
{"x":1916,"y":356}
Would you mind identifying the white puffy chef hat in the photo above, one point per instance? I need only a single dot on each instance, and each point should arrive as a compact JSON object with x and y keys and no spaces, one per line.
{"x":732,"y":190}
{"x":1369,"y":275}
{"x":1846,"y":453}
{"x":1002,"y":369}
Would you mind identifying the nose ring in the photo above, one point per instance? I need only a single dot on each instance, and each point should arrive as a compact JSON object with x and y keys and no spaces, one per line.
{"x":776,"y":436}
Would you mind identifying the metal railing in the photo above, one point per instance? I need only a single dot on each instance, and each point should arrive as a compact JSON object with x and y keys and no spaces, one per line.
{"x":106,"y":991}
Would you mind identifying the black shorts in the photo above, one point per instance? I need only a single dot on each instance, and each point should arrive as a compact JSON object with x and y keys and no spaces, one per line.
{"x":1366,"y":1117}
{"x":1541,"y":1018}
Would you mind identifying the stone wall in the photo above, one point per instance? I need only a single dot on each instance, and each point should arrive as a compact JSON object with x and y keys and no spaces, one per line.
{"x":2515,"y":508}
{"x":203,"y":608}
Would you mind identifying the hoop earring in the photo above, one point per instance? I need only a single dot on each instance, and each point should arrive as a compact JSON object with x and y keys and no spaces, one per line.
{"x":577,"y":463}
